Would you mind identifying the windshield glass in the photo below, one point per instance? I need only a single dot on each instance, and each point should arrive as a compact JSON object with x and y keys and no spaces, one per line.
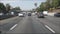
{"x":29,"y":16}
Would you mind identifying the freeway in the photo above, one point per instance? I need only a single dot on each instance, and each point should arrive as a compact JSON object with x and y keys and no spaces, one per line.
{"x":32,"y":25}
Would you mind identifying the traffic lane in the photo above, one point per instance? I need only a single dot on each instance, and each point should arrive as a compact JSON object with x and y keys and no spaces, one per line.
{"x":19,"y":28}
{"x":39,"y":27}
{"x":51,"y":23}
{"x":55,"y":20}
{"x":7,"y":26}
{"x":7,"y":20}
{"x":29,"y":25}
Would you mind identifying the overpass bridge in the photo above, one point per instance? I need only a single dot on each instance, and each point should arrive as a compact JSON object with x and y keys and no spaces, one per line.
{"x":25,"y":11}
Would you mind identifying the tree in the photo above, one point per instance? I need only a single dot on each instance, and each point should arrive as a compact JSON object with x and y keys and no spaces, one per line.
{"x":16,"y":8}
{"x":49,"y":5}
{"x":2,"y":8}
{"x":59,"y":2}
{"x":38,"y":9}
{"x":8,"y":7}
{"x":55,"y":3}
{"x":42,"y":7}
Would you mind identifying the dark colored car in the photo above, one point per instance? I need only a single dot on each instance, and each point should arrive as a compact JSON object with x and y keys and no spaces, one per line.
{"x":57,"y":15}
{"x":40,"y":15}
{"x":29,"y":14}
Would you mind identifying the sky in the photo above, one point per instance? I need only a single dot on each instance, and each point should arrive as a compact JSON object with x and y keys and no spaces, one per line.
{"x":23,"y":4}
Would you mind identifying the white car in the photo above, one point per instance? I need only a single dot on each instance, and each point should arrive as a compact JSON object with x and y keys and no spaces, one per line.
{"x":20,"y":14}
{"x":45,"y":13}
{"x":33,"y":13}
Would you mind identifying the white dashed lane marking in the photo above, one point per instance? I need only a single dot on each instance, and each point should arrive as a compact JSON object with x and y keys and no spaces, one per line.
{"x":13,"y":27}
{"x":49,"y":28}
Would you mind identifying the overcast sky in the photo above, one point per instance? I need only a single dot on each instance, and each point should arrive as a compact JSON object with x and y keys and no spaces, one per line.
{"x":23,"y":4}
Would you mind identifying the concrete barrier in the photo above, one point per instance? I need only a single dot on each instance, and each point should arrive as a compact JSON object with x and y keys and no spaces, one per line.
{"x":5,"y":17}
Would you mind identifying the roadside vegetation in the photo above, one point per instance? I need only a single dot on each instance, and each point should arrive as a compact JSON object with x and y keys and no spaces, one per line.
{"x":49,"y":5}
{"x":5,"y":11}
{"x":6,"y":8}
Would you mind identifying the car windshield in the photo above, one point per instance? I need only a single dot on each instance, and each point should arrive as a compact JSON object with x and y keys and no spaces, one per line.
{"x":29,"y":16}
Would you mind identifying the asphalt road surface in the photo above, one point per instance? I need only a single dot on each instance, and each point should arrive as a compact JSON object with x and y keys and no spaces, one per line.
{"x":32,"y":25}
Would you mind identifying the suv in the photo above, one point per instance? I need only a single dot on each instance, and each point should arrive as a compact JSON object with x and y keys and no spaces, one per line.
{"x":40,"y":15}
{"x":29,"y":14}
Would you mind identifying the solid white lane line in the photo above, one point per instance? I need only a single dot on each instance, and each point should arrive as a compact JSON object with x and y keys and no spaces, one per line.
{"x":50,"y":29}
{"x":13,"y":27}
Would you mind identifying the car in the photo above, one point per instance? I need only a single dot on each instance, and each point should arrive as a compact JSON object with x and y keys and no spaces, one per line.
{"x":57,"y":14}
{"x":45,"y":13}
{"x":20,"y":14}
{"x":40,"y":15}
{"x":29,"y":14}
{"x":33,"y":13}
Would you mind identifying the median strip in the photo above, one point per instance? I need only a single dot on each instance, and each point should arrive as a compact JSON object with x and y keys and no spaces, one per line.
{"x":50,"y":29}
{"x":13,"y":27}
